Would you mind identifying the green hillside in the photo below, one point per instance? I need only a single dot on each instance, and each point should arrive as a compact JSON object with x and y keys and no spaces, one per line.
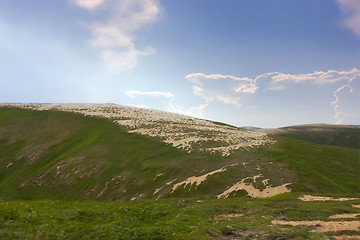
{"x":61,"y":155}
{"x":334,"y":135}
{"x":50,"y":161}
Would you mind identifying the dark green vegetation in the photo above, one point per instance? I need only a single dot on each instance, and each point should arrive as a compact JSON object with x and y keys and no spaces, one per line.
{"x":167,"y":219}
{"x":342,"y":135}
{"x":60,"y":155}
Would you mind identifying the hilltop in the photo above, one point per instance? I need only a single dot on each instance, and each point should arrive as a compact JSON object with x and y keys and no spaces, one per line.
{"x":112,"y":152}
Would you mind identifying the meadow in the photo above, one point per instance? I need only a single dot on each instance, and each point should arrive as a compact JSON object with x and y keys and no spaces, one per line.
{"x":235,"y":218}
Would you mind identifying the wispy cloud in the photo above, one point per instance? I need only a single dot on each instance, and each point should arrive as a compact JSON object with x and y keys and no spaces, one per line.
{"x":229,"y":89}
{"x":318,"y":77}
{"x":223,"y":88}
{"x":167,"y":99}
{"x":351,"y":10}
{"x":335,"y":103}
{"x":115,"y":35}
{"x":134,"y":94}
{"x":89,"y":4}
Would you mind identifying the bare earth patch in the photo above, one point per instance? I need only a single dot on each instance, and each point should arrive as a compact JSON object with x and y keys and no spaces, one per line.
{"x":345,"y":215}
{"x":329,"y":226}
{"x":157,"y":190}
{"x":198,"y":180}
{"x":269,"y":191}
{"x":106,"y":186}
{"x":227,"y":216}
{"x":322,"y":226}
{"x":345,"y":237}
{"x":179,"y":130}
{"x":309,"y":198}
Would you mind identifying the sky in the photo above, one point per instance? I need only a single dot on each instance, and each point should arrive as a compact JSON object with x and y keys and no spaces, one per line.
{"x":265,"y":63}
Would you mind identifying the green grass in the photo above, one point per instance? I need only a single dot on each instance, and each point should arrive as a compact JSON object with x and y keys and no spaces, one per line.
{"x":319,"y":168}
{"x":36,"y":143}
{"x":164,"y":219}
{"x":51,"y":161}
{"x":334,"y":136}
{"x":61,"y":155}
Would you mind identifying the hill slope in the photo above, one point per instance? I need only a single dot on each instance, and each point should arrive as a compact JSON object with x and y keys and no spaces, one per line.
{"x":57,"y":154}
{"x":334,"y":135}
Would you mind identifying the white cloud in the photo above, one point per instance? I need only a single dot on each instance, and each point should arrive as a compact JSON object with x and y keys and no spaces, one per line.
{"x":119,"y":60}
{"x":109,"y":36}
{"x":229,"y":89}
{"x":134,"y":94}
{"x":166,"y":102}
{"x":318,"y":77}
{"x":89,"y":4}
{"x":351,"y":9}
{"x":335,"y":103}
{"x":223,"y":88}
{"x":115,"y":35}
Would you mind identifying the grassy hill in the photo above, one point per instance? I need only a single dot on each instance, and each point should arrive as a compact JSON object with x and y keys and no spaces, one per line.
{"x":63,"y":155}
{"x":334,"y":135}
{"x":53,"y":160}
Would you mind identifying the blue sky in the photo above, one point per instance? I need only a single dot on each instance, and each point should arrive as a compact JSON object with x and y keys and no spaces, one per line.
{"x":266,"y":63}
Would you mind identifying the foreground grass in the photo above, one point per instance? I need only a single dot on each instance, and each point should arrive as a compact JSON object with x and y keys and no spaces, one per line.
{"x":165,"y":219}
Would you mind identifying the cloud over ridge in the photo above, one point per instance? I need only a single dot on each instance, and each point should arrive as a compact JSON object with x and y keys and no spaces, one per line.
{"x":170,"y":106}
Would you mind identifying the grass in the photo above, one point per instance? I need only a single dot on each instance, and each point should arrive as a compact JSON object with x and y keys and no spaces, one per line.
{"x":61,"y":155}
{"x":333,"y":136}
{"x":164,"y":219}
{"x":319,"y":168}
{"x":51,"y":161}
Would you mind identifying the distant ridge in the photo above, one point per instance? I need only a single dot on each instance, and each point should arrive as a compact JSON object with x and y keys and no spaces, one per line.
{"x":328,"y":134}
{"x":251,"y":128}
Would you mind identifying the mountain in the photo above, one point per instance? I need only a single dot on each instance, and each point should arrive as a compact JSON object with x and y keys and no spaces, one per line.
{"x":113,"y":152}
